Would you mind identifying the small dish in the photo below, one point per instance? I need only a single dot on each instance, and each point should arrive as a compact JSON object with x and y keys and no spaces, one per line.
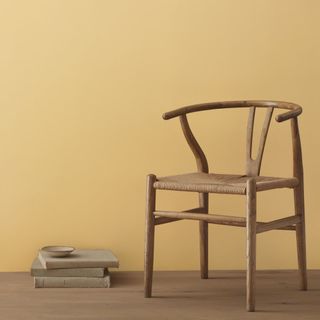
{"x":58,"y":251}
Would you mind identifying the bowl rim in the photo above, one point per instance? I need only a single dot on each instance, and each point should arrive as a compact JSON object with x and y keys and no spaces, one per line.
{"x":57,"y":249}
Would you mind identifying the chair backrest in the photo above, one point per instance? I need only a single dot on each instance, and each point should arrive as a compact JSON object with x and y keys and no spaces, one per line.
{"x":252,"y":165}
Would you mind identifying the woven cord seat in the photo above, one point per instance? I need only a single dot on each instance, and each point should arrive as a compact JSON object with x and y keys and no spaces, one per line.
{"x":220,"y":183}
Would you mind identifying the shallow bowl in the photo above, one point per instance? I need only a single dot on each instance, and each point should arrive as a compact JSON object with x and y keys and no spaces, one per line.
{"x":58,"y":251}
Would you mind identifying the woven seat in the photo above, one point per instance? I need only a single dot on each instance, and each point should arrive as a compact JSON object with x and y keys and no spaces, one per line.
{"x":220,"y":183}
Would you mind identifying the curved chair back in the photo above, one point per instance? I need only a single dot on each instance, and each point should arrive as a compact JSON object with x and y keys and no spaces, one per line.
{"x":253,"y":166}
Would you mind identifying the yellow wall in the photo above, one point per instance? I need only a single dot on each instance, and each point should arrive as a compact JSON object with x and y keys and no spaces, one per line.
{"x":83,"y":86}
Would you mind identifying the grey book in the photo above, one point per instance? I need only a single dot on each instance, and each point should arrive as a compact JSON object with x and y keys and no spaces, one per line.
{"x":80,"y":258}
{"x":37,"y":270}
{"x":72,"y":282}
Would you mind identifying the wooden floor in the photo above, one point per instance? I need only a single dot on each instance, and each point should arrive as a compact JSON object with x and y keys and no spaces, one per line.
{"x":177,"y":295}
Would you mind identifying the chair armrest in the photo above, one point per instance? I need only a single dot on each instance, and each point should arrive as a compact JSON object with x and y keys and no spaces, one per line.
{"x":294,"y":110}
{"x":293,"y":113}
{"x":195,"y":108}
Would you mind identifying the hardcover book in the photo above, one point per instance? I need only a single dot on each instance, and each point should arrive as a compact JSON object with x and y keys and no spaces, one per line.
{"x":37,"y":270}
{"x":80,"y":258}
{"x":72,"y":282}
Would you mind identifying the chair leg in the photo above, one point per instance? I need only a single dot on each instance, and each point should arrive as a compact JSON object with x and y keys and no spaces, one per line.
{"x":251,"y":243}
{"x":203,"y":231}
{"x":149,"y":235}
{"x":301,"y":237}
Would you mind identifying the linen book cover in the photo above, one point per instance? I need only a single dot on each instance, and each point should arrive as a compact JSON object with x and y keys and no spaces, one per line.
{"x":37,"y":270}
{"x":72,"y":282}
{"x":80,"y":258}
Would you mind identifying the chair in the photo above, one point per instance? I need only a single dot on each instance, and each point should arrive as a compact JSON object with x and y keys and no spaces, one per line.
{"x":248,"y":185}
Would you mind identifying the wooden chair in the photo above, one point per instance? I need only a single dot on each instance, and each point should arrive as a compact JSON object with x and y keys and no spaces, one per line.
{"x":249,"y":184}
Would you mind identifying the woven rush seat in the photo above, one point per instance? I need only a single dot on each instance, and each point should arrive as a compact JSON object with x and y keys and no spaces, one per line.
{"x":220,"y":183}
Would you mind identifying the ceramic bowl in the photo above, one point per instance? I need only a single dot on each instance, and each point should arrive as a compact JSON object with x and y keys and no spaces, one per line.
{"x":58,"y":251}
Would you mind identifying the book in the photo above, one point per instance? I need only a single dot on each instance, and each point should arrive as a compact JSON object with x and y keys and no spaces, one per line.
{"x":72,"y":282}
{"x":37,"y":270}
{"x":80,"y":258}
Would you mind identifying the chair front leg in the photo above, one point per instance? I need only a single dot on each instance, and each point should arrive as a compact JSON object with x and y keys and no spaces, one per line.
{"x":149,"y":235}
{"x":251,"y":243}
{"x":203,"y":232}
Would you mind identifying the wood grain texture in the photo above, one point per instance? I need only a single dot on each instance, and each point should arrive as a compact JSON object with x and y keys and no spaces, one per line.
{"x":253,"y":166}
{"x":163,"y":220}
{"x":280,"y":224}
{"x":202,"y":163}
{"x":203,"y":237}
{"x":211,"y":218}
{"x":149,"y":236}
{"x":294,"y":109}
{"x":251,"y":243}
{"x":178,"y":295}
{"x":299,"y":203}
{"x":287,"y":222}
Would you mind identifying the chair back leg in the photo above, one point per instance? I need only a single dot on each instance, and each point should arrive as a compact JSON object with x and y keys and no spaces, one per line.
{"x":300,"y":236}
{"x":251,"y":243}
{"x":203,"y":232}
{"x":149,"y":236}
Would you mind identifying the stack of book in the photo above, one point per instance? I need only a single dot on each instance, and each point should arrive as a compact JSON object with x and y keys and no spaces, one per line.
{"x":81,"y":269}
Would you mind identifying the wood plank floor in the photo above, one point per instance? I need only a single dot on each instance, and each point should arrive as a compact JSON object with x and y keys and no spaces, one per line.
{"x":177,"y":295}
